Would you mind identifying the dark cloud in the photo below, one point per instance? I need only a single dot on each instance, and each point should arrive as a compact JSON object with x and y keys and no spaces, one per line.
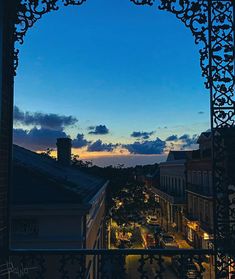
{"x":146,"y":147}
{"x":142,"y":135}
{"x":80,"y":141}
{"x":18,"y":114}
{"x":172,"y":138}
{"x":98,"y":130}
{"x":37,"y":139}
{"x":100,"y":146}
{"x":188,"y":140}
{"x":49,"y":121}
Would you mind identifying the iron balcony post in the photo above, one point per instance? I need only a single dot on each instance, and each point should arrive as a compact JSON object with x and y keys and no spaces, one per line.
{"x":7,"y":8}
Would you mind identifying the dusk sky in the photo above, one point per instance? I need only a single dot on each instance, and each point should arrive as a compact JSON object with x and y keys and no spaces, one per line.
{"x":123,"y":81}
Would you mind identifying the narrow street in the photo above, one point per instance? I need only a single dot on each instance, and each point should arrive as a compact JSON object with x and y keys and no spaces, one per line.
{"x":134,"y":268}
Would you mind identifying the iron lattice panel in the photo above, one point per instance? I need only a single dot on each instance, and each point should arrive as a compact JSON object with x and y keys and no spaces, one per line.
{"x":110,"y":264}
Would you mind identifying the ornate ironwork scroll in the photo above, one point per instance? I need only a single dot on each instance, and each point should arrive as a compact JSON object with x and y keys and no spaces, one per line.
{"x":112,"y":264}
{"x":70,"y":264}
{"x":153,"y":260}
{"x":28,"y":12}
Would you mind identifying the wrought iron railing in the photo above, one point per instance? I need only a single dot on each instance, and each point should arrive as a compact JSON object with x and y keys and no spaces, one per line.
{"x":118,"y":263}
{"x":200,"y":189}
{"x":171,"y":197}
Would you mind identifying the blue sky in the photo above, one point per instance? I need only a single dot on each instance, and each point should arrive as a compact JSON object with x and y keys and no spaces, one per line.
{"x":115,"y":64}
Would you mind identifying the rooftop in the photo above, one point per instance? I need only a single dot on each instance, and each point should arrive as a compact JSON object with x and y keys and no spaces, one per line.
{"x":179,"y":155}
{"x":41,"y":179}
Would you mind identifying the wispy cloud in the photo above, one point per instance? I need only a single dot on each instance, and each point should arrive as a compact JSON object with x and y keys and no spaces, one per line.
{"x":188,"y":140}
{"x":37,"y":139}
{"x":142,"y":135}
{"x":172,"y":138}
{"x":80,"y":141}
{"x":100,"y":146}
{"x":49,"y":121}
{"x":98,"y":130}
{"x":146,"y":147}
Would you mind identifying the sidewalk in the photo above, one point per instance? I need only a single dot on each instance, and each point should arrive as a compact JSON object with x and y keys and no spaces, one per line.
{"x":181,"y":241}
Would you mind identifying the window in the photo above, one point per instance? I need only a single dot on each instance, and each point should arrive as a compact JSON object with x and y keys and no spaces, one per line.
{"x":190,"y":177}
{"x":210,"y":180}
{"x":194,"y":178}
{"x":25,"y":227}
{"x":205,"y":181}
{"x":199,"y":178}
{"x":179,"y":187}
{"x":195,"y":206}
{"x":207,"y":213}
{"x":201,"y":209}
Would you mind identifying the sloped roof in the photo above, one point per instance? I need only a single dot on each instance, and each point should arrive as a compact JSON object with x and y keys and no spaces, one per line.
{"x":179,"y":155}
{"x":40,"y":179}
{"x":205,"y":136}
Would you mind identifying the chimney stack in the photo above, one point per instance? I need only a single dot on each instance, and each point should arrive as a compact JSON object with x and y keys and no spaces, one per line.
{"x":64,"y":146}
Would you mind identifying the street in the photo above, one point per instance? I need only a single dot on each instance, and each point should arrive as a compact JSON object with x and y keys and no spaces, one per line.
{"x":135,"y":267}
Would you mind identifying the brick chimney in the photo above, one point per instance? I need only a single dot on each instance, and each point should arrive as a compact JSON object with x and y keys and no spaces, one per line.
{"x":64,"y":146}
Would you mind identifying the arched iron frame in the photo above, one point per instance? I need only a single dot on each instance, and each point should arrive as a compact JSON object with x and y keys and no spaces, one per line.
{"x":212,"y":23}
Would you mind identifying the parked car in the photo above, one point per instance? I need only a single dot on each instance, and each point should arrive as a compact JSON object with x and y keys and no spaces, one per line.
{"x":157,"y":229}
{"x":150,"y":240}
{"x":168,"y":242}
{"x":124,"y":244}
{"x":186,"y":269}
{"x":152,"y":220}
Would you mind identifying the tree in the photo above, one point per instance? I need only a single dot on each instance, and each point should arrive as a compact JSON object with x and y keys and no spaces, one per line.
{"x":48,"y":153}
{"x":80,"y":163}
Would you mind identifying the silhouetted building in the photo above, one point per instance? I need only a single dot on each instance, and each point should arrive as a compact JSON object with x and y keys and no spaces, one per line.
{"x":171,"y":189}
{"x":152,"y":179}
{"x":64,"y":146}
{"x":199,"y":216}
{"x":55,"y":206}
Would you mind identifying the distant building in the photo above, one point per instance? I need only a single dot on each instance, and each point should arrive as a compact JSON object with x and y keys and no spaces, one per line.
{"x":171,"y":190}
{"x":55,"y":205}
{"x":152,"y":179}
{"x":199,"y":215}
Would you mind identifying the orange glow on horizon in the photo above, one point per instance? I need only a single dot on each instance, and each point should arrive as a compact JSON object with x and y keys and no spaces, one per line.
{"x":87,"y":155}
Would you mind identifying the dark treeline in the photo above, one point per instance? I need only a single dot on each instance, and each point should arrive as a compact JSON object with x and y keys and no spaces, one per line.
{"x":118,"y":176}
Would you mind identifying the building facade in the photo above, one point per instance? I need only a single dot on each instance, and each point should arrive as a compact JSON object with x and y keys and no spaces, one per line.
{"x":199,"y":214}
{"x":56,"y":206}
{"x":171,"y":190}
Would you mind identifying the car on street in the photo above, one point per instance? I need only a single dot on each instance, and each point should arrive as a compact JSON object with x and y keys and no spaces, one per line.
{"x":168,"y":242}
{"x":124,"y":244}
{"x":150,"y":241}
{"x":185,"y":269}
{"x":157,"y":229}
{"x":152,"y":221}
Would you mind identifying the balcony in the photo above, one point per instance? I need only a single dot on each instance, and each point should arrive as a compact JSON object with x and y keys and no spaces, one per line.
{"x":207,"y":226}
{"x":171,"y":197}
{"x":200,"y":190}
{"x":120,"y":263}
